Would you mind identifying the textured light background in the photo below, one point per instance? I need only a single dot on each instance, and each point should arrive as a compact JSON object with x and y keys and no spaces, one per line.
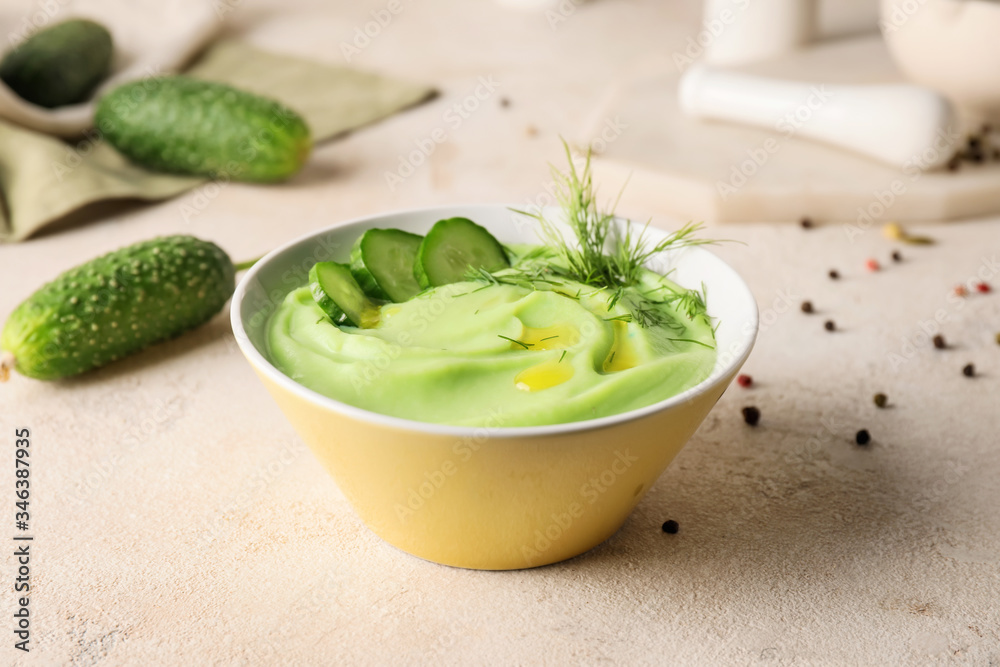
{"x":179,"y":520}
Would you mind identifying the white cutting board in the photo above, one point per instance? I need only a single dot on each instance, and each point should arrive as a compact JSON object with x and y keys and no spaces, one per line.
{"x":676,"y":166}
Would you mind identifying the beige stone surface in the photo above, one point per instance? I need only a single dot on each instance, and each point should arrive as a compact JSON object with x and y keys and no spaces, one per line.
{"x":178,"y":519}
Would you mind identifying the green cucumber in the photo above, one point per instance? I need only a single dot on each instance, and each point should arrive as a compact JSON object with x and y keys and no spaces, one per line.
{"x":59,"y":65}
{"x":181,"y":125}
{"x":454,"y":246}
{"x":115,"y":305}
{"x":339,"y":295}
{"x":382,"y":262}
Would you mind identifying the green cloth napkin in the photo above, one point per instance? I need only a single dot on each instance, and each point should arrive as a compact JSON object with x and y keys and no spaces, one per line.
{"x":43,"y":178}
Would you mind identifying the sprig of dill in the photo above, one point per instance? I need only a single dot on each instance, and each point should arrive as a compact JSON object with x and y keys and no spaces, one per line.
{"x":604,"y":255}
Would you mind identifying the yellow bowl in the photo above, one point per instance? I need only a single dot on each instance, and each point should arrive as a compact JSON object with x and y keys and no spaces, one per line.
{"x":491,"y":498}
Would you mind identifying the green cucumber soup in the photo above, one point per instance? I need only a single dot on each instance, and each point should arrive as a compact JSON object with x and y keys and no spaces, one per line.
{"x":516,"y":347}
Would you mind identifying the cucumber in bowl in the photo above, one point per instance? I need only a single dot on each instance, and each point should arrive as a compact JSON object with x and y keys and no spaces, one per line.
{"x":382,"y":262}
{"x":390,"y":265}
{"x":340,"y":297}
{"x":454,"y":246}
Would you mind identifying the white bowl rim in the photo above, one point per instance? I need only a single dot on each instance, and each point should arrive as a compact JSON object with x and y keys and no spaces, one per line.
{"x":259,"y":361}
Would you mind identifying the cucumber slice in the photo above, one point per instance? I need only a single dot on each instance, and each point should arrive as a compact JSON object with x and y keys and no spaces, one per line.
{"x":451,"y":248}
{"x":339,"y":295}
{"x":382,"y":263}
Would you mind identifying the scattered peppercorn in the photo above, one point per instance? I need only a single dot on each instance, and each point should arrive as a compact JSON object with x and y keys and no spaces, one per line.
{"x":881,"y":400}
{"x":829,"y":325}
{"x":671,"y":527}
{"x":969,"y":370}
{"x":961,"y":290}
{"x":807,"y":306}
{"x":954,"y":163}
{"x":806,"y":223}
{"x":834,"y":274}
{"x":939,"y":342}
{"x":744,"y":380}
{"x":504,"y":102}
{"x":863,"y":437}
{"x":897,"y":256}
{"x":872,"y":265}
{"x":982,"y":288}
{"x":751,"y":415}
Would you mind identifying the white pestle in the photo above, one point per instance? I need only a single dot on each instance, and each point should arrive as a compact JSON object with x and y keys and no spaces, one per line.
{"x":903,"y":125}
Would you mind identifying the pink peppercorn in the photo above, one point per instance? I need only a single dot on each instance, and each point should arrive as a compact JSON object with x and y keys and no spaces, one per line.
{"x":744,"y":380}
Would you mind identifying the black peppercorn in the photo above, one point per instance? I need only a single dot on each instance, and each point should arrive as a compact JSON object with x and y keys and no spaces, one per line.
{"x":829,"y":325}
{"x":881,"y":400}
{"x":671,"y":527}
{"x":751,"y":415}
{"x":863,"y":437}
{"x":969,"y":370}
{"x":834,"y":274}
{"x":939,"y":342}
{"x":807,"y":306}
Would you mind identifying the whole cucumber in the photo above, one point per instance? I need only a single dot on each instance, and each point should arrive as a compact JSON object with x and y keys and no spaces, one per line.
{"x":59,"y":65}
{"x":115,"y":305}
{"x":181,"y":125}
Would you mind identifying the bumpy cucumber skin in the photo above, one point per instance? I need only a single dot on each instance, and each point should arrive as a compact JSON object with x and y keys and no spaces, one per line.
{"x":59,"y":65}
{"x":181,"y":125}
{"x":118,"y":304}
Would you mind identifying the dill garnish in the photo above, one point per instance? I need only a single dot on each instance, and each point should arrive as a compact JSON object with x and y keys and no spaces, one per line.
{"x":603,"y":256}
{"x":514,"y":340}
